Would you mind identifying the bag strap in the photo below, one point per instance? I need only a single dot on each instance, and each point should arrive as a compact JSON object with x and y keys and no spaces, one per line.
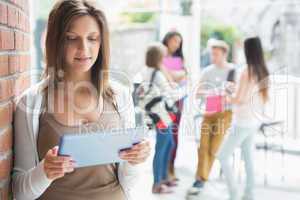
{"x":117,"y":170}
{"x":151,"y":81}
{"x":231,"y":75}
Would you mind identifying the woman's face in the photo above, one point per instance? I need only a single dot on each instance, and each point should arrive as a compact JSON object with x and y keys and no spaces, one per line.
{"x":174,"y":43}
{"x":82,"y":44}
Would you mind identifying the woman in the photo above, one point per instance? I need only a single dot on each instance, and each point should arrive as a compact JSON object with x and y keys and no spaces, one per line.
{"x":249,"y":100}
{"x":174,"y":60}
{"x":175,"y":71}
{"x":156,"y":86}
{"x":75,"y":96}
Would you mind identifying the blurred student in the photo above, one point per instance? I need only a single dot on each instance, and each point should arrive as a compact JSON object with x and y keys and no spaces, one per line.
{"x":173,"y":68}
{"x":215,"y":122}
{"x":249,"y":100}
{"x":158,"y":95}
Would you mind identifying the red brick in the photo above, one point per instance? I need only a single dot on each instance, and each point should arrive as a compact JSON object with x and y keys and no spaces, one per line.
{"x":18,"y":3}
{"x":4,"y":193}
{"x":2,"y":35}
{"x":14,"y":63}
{"x":6,"y":140}
{"x":21,"y":84}
{"x":22,"y":42}
{"x":19,"y":20}
{"x":12,"y":16}
{"x":10,"y":40}
{"x":13,"y":1}
{"x":25,"y":6}
{"x":22,"y":3}
{"x":26,"y":40}
{"x":24,"y":63}
{"x":4,"y":69}
{"x":18,"y":41}
{"x":5,"y":167}
{"x":3,"y":13}
{"x":6,"y":114}
{"x":6,"y":40}
{"x":6,"y":89}
{"x":27,"y":25}
{"x":22,"y":21}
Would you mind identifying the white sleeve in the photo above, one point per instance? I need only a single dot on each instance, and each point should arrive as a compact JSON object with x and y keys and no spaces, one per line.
{"x":204,"y":75}
{"x":172,"y":94}
{"x":31,"y":184}
{"x":28,"y":181}
{"x":128,"y":174}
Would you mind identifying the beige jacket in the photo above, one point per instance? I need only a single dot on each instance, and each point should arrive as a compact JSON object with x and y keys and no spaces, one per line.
{"x":29,"y":179}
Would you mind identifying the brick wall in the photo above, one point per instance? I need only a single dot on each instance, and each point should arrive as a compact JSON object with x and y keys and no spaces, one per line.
{"x":14,"y":77}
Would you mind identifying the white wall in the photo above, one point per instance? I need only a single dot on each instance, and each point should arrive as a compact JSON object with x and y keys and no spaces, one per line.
{"x":189,"y":27}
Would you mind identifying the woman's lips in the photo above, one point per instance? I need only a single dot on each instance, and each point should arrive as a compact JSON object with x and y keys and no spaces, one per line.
{"x":83,"y":60}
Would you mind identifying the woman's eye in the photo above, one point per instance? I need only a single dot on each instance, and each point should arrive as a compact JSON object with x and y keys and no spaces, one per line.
{"x":71,"y":38}
{"x":92,"y":39}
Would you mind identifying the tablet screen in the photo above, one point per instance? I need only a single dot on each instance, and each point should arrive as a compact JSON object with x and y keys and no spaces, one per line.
{"x":101,"y":147}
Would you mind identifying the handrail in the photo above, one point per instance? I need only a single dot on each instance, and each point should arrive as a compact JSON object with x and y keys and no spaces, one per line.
{"x":265,"y":125}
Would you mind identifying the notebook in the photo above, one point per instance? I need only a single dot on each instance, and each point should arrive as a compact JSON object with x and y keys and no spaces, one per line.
{"x":214,"y":104}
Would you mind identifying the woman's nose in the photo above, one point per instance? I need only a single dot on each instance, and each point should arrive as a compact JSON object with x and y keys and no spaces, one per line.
{"x":83,"y":45}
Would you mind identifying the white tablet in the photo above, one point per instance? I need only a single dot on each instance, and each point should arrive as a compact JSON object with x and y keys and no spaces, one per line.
{"x":101,"y":147}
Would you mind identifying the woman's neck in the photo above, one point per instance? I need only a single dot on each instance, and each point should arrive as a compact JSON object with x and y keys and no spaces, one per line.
{"x":170,"y":53}
{"x":77,"y":82}
{"x":78,"y":77}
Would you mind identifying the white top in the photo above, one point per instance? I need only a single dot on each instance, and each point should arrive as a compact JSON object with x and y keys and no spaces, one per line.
{"x":249,"y":112}
{"x":214,"y":77}
{"x":161,"y":86}
{"x":29,"y":179}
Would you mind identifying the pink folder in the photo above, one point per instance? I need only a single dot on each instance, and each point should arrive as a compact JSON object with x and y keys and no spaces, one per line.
{"x":173,"y":63}
{"x":214,"y":104}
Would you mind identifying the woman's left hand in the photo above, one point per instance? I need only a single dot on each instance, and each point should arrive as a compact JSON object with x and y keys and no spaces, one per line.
{"x":137,"y":154}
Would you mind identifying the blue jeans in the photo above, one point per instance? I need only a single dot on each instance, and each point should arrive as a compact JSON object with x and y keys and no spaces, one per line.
{"x":163,"y":147}
{"x":244,"y":138}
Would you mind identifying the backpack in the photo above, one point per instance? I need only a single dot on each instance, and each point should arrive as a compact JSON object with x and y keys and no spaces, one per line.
{"x":157,"y":111}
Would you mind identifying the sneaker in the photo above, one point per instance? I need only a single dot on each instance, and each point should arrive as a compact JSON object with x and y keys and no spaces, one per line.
{"x":198,"y":184}
{"x":196,"y":188}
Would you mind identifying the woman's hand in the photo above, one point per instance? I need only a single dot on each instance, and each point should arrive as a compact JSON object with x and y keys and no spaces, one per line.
{"x":137,"y":154}
{"x":228,"y":99}
{"x":230,"y":88}
{"x":57,"y":166}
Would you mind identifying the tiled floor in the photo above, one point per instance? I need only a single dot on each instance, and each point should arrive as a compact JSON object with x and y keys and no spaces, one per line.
{"x":216,"y":189}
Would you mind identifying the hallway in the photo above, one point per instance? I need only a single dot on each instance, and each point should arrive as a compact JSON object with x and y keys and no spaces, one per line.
{"x":216,"y":189}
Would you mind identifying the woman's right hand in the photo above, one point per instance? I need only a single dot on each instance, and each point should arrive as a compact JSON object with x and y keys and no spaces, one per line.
{"x":57,"y":166}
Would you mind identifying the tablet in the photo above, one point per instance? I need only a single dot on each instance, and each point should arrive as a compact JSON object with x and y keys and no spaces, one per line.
{"x":98,"y":148}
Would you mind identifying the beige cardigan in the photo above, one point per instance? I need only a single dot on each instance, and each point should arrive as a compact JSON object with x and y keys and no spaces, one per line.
{"x":29,"y":179}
